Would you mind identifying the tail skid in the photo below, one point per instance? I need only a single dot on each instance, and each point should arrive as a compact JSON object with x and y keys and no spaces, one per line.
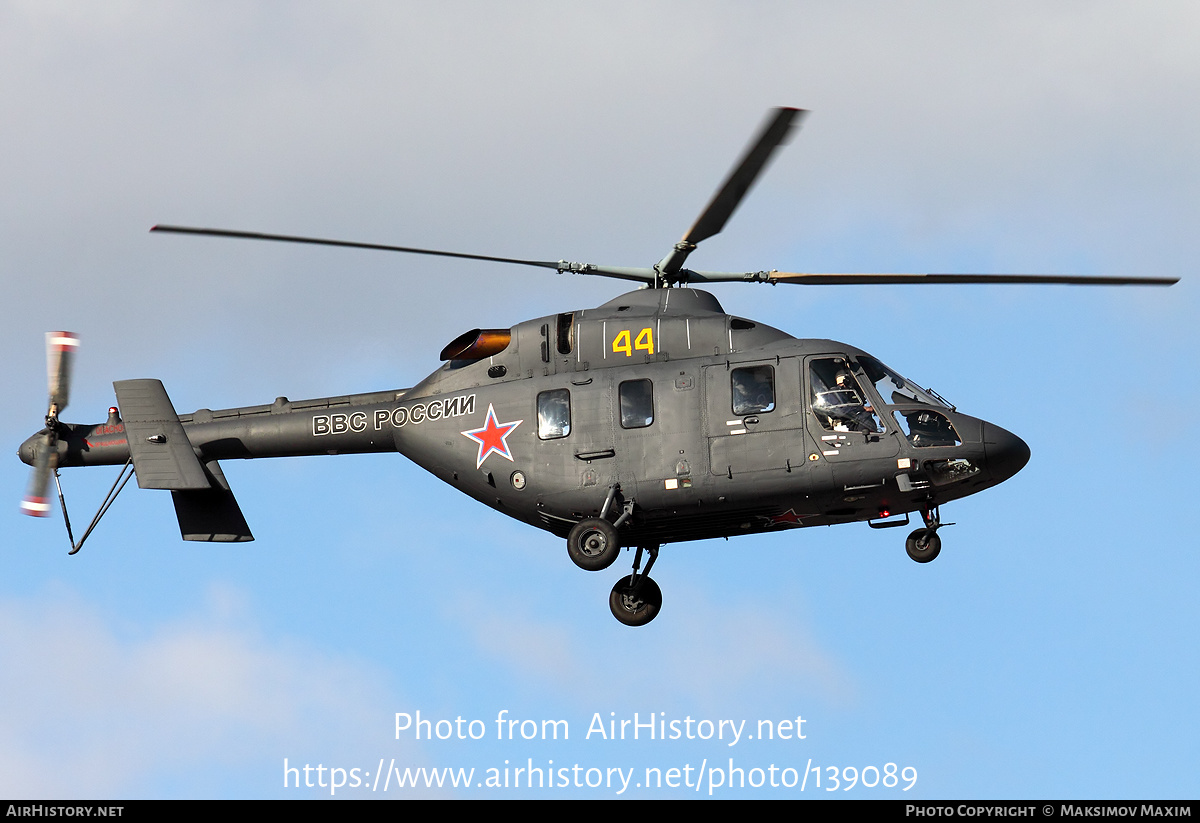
{"x":118,"y":484}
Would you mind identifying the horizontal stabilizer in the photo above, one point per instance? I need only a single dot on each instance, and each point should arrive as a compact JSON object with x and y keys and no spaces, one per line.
{"x":163,"y":457}
{"x":211,"y":515}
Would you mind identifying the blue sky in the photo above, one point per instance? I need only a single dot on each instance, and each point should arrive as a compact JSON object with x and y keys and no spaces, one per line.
{"x":1050,"y":651}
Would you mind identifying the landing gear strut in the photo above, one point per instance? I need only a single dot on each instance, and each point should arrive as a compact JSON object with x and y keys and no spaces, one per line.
{"x":593,"y":544}
{"x":636,"y":600}
{"x":923,"y":545}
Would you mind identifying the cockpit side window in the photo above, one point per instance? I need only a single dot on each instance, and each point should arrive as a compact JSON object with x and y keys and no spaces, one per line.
{"x":838,"y":401}
{"x":753,"y":389}
{"x":554,"y":414}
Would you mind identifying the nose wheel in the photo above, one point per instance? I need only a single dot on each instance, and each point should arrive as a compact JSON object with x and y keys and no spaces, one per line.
{"x":923,"y":545}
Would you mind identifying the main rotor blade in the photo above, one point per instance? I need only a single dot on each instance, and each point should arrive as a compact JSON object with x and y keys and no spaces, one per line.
{"x":811,"y":279}
{"x":318,"y":241}
{"x":774,"y":133}
{"x":60,"y":355}
{"x":640,"y":275}
{"x":815,"y":279}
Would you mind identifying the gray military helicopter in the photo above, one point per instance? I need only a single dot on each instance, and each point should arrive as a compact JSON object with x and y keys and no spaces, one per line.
{"x":655,"y":418}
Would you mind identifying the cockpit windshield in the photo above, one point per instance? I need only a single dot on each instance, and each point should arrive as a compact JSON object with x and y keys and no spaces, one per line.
{"x":894,"y":389}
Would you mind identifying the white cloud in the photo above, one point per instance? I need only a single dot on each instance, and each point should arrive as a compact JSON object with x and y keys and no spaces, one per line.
{"x":711,"y":654}
{"x":96,"y":708}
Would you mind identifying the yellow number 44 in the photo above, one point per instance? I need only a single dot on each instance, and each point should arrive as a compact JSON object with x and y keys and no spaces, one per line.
{"x":644,"y":342}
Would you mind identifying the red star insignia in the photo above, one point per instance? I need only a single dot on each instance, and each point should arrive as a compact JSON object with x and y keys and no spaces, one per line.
{"x":788,"y":518}
{"x":491,"y":437}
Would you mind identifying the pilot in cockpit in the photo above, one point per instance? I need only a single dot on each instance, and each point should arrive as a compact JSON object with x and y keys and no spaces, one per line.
{"x":843,"y":407}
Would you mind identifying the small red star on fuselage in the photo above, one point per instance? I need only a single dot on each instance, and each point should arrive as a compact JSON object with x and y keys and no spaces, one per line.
{"x":788,"y":518}
{"x":491,"y":437}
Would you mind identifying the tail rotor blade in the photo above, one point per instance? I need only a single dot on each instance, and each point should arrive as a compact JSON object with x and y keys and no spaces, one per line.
{"x":60,"y":355}
{"x":37,"y":497}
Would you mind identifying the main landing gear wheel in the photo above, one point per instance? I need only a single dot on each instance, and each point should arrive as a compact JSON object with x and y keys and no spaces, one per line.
{"x":635,"y":606}
{"x":923,"y":545}
{"x":593,"y":544}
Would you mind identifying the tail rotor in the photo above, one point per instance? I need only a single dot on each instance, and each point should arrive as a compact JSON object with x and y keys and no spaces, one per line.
{"x":60,"y":355}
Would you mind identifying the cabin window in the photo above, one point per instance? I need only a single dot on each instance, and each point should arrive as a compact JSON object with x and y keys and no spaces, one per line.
{"x":753,"y":389}
{"x":637,"y":403}
{"x":554,"y":414}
